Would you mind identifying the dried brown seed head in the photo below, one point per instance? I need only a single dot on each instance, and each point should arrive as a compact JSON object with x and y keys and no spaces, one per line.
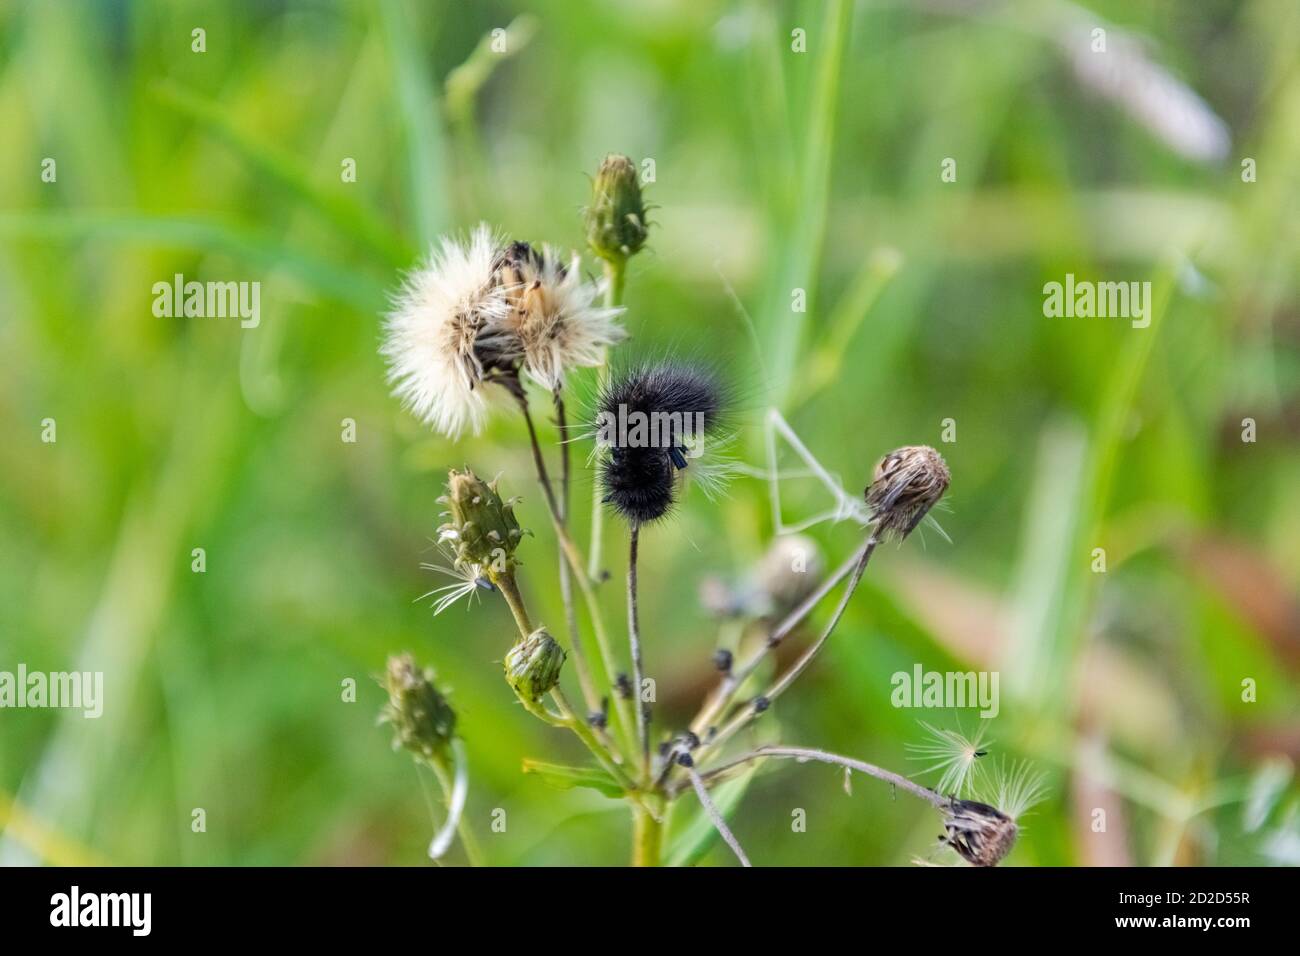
{"x":981,"y":834}
{"x":904,"y":487}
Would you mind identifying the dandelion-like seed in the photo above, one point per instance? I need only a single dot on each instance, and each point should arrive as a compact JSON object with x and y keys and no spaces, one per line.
{"x":434,"y":341}
{"x":654,"y":423}
{"x":553,"y":323}
{"x":469,"y":579}
{"x":954,"y":755}
{"x":905,"y":486}
{"x":1017,"y":788}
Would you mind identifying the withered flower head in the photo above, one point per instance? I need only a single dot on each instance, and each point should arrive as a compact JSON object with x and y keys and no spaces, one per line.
{"x":435,"y":337}
{"x":554,"y":323}
{"x":482,"y":528}
{"x":905,"y":486}
{"x":423,"y":722}
{"x":981,"y":834}
{"x":533,"y":665}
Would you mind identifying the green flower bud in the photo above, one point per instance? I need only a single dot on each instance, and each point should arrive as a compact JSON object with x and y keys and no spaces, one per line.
{"x":423,"y":722}
{"x":482,"y":530}
{"x":533,"y":665}
{"x":616,"y":219}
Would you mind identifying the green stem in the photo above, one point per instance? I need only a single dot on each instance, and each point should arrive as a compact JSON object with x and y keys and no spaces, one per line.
{"x":615,"y":273}
{"x":589,"y":694}
{"x":473,"y":854}
{"x":647,"y":838}
{"x":509,"y":588}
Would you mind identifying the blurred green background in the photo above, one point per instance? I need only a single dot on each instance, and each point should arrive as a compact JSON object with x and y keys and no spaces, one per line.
{"x":774,"y":170}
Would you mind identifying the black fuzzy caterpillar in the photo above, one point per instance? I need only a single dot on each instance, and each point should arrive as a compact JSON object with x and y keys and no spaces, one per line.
{"x":639,"y":478}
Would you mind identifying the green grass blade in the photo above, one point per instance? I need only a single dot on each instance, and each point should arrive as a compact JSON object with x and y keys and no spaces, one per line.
{"x":254,"y":247}
{"x":417,"y":100}
{"x":801,"y":256}
{"x":350,"y":218}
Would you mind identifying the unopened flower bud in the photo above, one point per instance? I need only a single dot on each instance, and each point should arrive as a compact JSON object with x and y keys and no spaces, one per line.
{"x":533,"y":665}
{"x":482,"y":528}
{"x":905,"y":486}
{"x":616,"y":218}
{"x":423,"y":722}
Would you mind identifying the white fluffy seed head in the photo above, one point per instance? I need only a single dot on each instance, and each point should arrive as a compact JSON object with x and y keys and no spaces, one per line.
{"x":433,"y":333}
{"x":554,"y":320}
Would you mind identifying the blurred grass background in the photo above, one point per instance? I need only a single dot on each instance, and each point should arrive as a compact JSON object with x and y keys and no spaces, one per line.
{"x":774,"y":170}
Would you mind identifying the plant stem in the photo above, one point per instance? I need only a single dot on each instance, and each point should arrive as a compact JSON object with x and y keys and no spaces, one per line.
{"x":752,"y":710}
{"x":505,"y":583}
{"x":739,"y":674}
{"x":539,"y":460}
{"x":584,"y":733}
{"x":446,"y":780}
{"x":615,"y":272}
{"x":715,"y":815}
{"x":589,"y":694}
{"x":634,"y":640}
{"x":647,"y":838}
{"x":932,"y":797}
{"x":570,"y":553}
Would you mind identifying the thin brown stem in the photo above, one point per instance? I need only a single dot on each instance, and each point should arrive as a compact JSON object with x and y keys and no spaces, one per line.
{"x":539,"y":460}
{"x":574,"y":558}
{"x":733,"y":680}
{"x":932,"y":797}
{"x":760,"y":703}
{"x":634,"y":640}
{"x":715,"y":815}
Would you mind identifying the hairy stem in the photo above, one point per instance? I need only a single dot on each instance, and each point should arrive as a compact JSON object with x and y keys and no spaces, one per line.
{"x":715,"y":815}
